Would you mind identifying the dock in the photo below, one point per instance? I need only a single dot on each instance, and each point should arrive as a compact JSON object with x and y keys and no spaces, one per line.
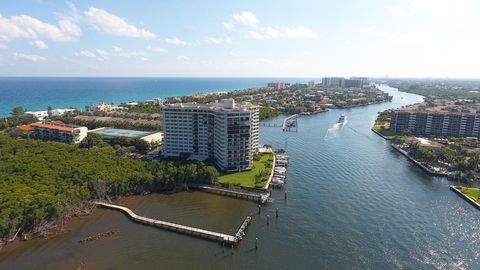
{"x":201,"y":233}
{"x":261,"y":198}
{"x":290,"y":123}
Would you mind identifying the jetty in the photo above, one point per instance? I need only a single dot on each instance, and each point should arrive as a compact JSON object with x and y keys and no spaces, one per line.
{"x":290,"y":123}
{"x":201,"y":233}
{"x":261,"y":198}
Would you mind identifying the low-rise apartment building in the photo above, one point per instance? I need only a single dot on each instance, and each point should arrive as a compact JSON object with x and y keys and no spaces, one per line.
{"x":59,"y":132}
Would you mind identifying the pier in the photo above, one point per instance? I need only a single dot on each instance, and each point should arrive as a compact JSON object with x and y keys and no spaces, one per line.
{"x":290,"y":124}
{"x":210,"y":235}
{"x":257,"y":197}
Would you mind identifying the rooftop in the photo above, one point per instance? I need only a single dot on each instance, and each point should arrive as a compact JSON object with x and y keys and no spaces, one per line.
{"x":54,"y":126}
{"x":442,"y":107}
{"x":222,"y":105}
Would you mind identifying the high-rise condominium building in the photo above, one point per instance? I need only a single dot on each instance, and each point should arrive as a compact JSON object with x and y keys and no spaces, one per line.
{"x":224,"y":132}
{"x":333,"y":82}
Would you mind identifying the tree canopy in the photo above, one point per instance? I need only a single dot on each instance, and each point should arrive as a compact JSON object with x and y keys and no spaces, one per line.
{"x":41,"y":181}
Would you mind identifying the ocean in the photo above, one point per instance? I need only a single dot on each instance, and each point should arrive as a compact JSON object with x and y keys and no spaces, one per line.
{"x":36,"y":94}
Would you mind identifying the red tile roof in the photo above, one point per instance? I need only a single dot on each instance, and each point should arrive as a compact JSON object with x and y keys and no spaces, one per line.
{"x":50,"y":126}
{"x":25,"y":127}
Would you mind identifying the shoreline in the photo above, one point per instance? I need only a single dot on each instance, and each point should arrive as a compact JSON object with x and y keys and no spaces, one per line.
{"x":464,"y":196}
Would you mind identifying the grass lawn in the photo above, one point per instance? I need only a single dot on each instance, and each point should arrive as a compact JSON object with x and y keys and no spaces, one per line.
{"x":247,"y":178}
{"x":473,"y":193}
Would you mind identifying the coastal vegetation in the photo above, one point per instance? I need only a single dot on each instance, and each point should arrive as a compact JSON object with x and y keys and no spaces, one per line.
{"x":257,"y":177}
{"x":382,"y":125}
{"x":267,"y":113}
{"x":444,"y":89}
{"x":43,"y":183}
{"x":17,"y":117}
{"x":94,"y":121}
{"x":145,"y":108}
{"x":453,"y":157}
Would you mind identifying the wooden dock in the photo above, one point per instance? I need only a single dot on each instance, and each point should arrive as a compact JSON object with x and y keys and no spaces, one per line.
{"x":210,"y":235}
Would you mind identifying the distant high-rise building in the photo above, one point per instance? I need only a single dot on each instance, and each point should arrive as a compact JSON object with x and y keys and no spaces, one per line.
{"x":311,"y":84}
{"x":224,"y":132}
{"x":277,"y":85}
{"x":333,"y":82}
{"x":353,"y":83}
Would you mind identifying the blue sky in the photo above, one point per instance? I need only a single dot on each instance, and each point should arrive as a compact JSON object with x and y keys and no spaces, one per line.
{"x":267,"y":38}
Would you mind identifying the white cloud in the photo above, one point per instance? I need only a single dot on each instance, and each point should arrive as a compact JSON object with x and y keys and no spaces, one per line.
{"x":117,"y":51}
{"x":3,"y":46}
{"x":176,"y":41}
{"x":109,"y":23}
{"x":227,"y":39}
{"x":183,"y":58}
{"x":96,"y":53}
{"x":433,"y":8}
{"x":246,"y":18}
{"x":86,"y":53}
{"x":228,"y":25}
{"x":297,"y":32}
{"x":156,"y":49}
{"x":24,"y":26}
{"x":39,"y":44}
{"x":102,"y":53}
{"x":217,"y":40}
{"x":28,"y":57}
{"x":233,"y":54}
{"x":141,"y":54}
{"x":212,"y":40}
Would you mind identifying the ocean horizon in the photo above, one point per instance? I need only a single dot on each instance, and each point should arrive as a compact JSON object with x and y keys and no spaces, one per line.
{"x":37,"y":93}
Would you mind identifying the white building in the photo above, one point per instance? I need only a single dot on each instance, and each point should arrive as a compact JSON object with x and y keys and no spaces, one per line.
{"x":59,"y":132}
{"x":40,"y":115}
{"x":225,"y":132}
{"x":100,"y":107}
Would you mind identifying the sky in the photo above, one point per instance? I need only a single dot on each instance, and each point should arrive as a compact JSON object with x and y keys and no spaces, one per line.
{"x":248,"y":38}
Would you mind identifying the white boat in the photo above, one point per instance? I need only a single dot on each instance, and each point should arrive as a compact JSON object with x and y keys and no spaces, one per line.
{"x":342,"y":120}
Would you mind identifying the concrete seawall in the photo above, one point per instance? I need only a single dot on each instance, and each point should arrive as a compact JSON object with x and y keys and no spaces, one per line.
{"x":380,"y":134}
{"x":418,"y":163}
{"x":465,"y":197}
